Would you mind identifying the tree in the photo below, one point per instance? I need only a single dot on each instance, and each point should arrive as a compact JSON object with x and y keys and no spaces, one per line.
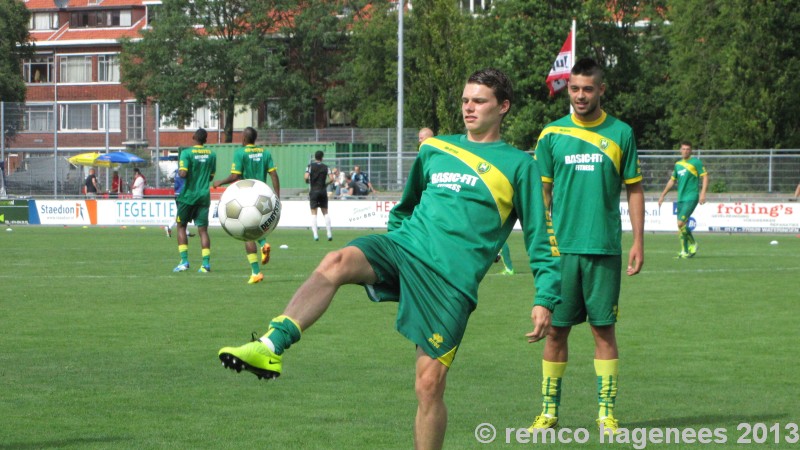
{"x":232,"y":59}
{"x":439,"y":60}
{"x":14,"y":46}
{"x":365,"y":84}
{"x":731,"y":78}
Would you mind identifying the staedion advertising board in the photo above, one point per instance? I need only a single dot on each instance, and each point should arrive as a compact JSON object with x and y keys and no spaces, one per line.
{"x":727,"y":217}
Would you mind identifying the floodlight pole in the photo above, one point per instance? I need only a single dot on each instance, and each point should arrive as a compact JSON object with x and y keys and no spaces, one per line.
{"x":60,"y":4}
{"x":400,"y":8}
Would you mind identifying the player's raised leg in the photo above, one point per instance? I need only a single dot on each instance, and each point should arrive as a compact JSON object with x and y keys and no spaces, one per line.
{"x":310,"y":301}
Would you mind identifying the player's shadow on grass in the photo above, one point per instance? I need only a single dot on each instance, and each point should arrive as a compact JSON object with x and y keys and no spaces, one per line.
{"x":725,"y":421}
{"x":76,"y":442}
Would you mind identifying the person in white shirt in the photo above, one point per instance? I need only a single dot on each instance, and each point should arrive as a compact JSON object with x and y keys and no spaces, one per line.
{"x":137,"y":189}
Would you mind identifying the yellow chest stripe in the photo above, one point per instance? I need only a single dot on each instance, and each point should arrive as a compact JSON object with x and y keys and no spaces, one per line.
{"x":499,"y":186}
{"x":606,"y":146}
{"x":688,"y":167}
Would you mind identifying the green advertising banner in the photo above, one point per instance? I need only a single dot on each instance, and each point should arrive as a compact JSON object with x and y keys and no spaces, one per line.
{"x":14,"y":212}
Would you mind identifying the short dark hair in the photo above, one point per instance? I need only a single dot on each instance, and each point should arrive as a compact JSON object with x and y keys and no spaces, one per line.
{"x":249,"y":135}
{"x":318,"y":155}
{"x":200,"y":136}
{"x":588,"y":67}
{"x":686,"y":143}
{"x":497,"y":81}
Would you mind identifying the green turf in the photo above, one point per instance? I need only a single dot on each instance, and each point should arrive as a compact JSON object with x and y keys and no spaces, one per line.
{"x":104,"y":347}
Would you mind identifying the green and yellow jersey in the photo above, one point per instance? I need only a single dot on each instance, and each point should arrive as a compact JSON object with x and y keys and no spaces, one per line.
{"x":587,"y":162}
{"x":459,"y":205}
{"x":687,"y":173}
{"x":252,"y":163}
{"x":200,"y":165}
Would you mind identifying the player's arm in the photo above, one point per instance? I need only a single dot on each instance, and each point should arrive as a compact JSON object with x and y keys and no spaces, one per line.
{"x":547,"y":195}
{"x":635,"y":193}
{"x":411,"y":193}
{"x":232,"y":178}
{"x":703,"y":189}
{"x":542,"y":248}
{"x":276,"y":183}
{"x":670,"y":183}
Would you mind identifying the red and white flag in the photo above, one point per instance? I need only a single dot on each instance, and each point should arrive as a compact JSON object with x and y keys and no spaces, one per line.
{"x":559,"y":73}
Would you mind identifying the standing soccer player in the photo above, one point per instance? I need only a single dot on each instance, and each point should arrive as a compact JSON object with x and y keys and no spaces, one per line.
{"x":197,"y":165}
{"x":463,"y":196}
{"x":688,"y":172}
{"x":584,"y":158}
{"x":253,"y":163}
{"x":318,"y":177}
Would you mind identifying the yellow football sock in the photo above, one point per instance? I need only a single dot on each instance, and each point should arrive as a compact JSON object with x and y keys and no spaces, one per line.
{"x":184,"y":252}
{"x":552,"y":374}
{"x":607,"y":371}
{"x":253,"y":259}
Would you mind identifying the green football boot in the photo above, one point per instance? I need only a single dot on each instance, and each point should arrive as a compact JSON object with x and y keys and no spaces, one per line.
{"x":253,"y":357}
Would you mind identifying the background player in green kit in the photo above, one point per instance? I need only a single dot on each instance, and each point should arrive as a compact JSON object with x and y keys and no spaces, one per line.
{"x":584,"y":158}
{"x":688,"y":172}
{"x":463,"y":196}
{"x":197,"y":165}
{"x":253,"y":163}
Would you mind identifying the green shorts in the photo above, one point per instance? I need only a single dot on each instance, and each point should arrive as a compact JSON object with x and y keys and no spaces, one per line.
{"x":589,"y":288}
{"x":188,"y":213}
{"x":685,"y":210}
{"x":431,"y":313}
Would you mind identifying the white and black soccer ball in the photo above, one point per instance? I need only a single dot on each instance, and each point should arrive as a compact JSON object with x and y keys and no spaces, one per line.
{"x":249,"y":210}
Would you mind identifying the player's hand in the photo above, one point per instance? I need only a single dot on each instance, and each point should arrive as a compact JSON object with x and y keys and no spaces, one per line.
{"x":702,"y":199}
{"x":635,"y":259}
{"x":660,"y":201}
{"x":540,"y":316}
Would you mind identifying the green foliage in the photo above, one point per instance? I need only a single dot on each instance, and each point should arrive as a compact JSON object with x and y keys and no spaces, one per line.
{"x":15,"y":46}
{"x":366,"y":82}
{"x":113,"y":350}
{"x":731,"y":78}
{"x":439,"y":58}
{"x":718,"y":187}
{"x":233,"y":60}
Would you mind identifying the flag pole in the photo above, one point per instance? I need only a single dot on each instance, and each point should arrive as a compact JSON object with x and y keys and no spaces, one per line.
{"x":572,"y":50}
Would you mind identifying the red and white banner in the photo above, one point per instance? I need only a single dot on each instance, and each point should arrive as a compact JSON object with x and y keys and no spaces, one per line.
{"x":559,"y":73}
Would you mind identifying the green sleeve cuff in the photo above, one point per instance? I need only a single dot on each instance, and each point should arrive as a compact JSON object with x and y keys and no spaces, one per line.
{"x":548,"y":303}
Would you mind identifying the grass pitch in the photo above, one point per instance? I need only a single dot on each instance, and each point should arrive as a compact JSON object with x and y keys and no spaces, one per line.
{"x":105,"y":347}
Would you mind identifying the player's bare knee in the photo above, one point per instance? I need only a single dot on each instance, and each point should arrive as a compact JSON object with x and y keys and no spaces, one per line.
{"x":429,"y":386}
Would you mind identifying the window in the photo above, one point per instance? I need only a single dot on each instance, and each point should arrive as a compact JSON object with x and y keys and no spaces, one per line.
{"x":204,"y":117}
{"x":246,"y":118}
{"x":108,"y":68}
{"x":38,"y":118}
{"x":152,"y":14}
{"x":275,"y":115}
{"x":113,"y":116}
{"x":339,"y":118}
{"x":135,"y":121}
{"x":76,"y":69}
{"x":76,"y":117}
{"x":38,"y":70}
{"x":476,"y":6}
{"x":43,"y":21}
{"x":112,"y":18}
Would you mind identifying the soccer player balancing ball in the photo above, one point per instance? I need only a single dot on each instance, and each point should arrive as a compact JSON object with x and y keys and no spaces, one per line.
{"x":249,"y":210}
